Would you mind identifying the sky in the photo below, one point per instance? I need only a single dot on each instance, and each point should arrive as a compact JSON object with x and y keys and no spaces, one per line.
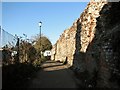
{"x":23,"y":17}
{"x":0,"y":13}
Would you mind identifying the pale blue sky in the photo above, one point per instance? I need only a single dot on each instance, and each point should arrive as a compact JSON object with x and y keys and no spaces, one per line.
{"x":0,"y":13}
{"x":23,"y":17}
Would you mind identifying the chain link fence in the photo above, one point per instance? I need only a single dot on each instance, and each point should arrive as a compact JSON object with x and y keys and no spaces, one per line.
{"x":15,"y":49}
{"x":19,"y":59}
{"x":7,"y":44}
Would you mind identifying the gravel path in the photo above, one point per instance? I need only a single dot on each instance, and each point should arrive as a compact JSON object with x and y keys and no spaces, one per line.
{"x":53,"y":75}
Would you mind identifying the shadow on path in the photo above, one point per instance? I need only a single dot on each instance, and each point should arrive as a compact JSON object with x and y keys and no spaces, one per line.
{"x":53,"y":75}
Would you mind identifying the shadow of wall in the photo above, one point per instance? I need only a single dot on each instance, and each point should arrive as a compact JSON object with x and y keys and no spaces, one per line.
{"x":78,"y":57}
{"x":102,"y":56}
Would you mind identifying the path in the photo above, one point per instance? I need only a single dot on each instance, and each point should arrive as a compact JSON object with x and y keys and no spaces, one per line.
{"x":53,"y":75}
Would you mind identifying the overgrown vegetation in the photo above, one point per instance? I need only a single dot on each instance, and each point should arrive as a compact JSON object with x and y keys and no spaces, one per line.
{"x":45,"y":45}
{"x":18,"y":68}
{"x":16,"y":75}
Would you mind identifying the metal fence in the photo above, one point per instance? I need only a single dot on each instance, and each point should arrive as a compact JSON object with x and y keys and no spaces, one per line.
{"x":7,"y":43}
{"x":7,"y":39}
{"x":14,"y":49}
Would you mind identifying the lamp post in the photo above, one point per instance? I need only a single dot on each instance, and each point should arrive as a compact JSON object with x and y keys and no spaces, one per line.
{"x":40,"y":24}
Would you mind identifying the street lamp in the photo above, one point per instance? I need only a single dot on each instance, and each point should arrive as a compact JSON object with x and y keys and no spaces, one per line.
{"x":40,"y":24}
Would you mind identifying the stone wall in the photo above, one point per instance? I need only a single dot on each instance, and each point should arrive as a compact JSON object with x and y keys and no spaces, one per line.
{"x":65,"y":47}
{"x":91,"y":45}
{"x":85,"y":32}
{"x":76,"y":39}
{"x":103,"y":52}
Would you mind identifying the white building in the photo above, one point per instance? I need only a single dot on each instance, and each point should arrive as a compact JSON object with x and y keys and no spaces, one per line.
{"x":47,"y":53}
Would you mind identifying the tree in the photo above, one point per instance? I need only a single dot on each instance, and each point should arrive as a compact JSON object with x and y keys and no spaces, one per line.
{"x":45,"y":44}
{"x":27,"y":52}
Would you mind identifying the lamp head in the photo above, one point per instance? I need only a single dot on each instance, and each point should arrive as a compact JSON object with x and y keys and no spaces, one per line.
{"x":40,"y":23}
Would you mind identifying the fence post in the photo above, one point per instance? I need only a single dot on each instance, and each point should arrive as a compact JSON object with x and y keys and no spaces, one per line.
{"x":17,"y":50}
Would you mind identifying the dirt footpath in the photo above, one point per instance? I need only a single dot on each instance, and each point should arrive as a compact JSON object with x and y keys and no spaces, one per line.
{"x":53,"y":75}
